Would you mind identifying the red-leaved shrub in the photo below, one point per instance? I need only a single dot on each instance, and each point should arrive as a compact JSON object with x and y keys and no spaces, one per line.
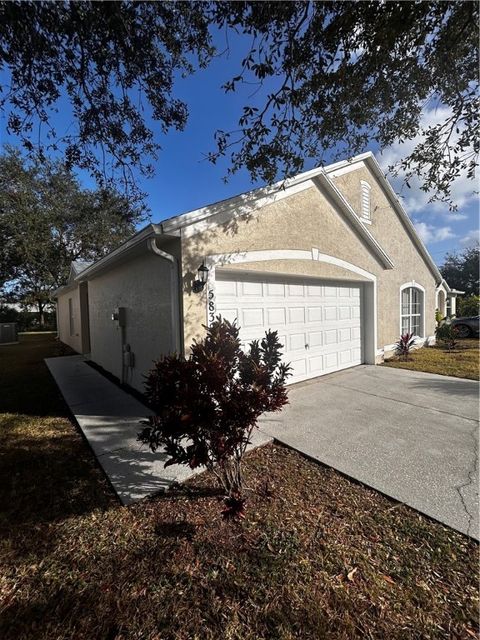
{"x":404,"y":345}
{"x":207,"y":405}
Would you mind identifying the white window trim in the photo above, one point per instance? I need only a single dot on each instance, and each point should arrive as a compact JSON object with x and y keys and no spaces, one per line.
{"x":416,"y":285}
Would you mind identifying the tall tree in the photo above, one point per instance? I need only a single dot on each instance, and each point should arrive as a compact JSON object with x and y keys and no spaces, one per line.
{"x":462,"y":271}
{"x":326,"y":75}
{"x":47,"y":220}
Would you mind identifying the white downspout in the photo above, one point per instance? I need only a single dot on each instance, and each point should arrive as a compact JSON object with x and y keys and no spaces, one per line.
{"x":174,"y":293}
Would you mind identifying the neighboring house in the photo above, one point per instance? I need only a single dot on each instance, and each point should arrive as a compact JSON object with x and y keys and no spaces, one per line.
{"x":330,"y":259}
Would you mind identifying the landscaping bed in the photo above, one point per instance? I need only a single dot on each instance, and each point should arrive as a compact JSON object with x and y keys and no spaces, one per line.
{"x":460,"y":362}
{"x":317,"y":555}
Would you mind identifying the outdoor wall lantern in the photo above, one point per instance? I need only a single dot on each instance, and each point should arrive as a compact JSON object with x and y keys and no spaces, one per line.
{"x":201,"y":281}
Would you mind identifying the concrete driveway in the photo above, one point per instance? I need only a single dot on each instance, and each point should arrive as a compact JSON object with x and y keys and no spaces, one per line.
{"x":413,"y":436}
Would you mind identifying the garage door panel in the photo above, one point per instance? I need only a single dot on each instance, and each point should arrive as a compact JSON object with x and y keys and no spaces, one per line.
{"x":330,"y":313}
{"x":296,"y":315}
{"x":345,"y":356}
{"x":314,"y":290}
{"x":330,"y":292}
{"x":276,"y":316}
{"x":315,"y":339}
{"x":296,"y":290}
{"x":275,"y":289}
{"x":227,"y":288}
{"x":314,"y":314}
{"x":318,"y":322}
{"x":252,"y":289}
{"x":297,"y":342}
{"x":230,"y":314}
{"x":316,"y":365}
{"x":330,"y":336}
{"x":252,"y":318}
{"x":331,"y":360}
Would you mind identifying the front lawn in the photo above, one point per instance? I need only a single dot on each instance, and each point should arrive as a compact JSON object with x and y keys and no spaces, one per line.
{"x":318,"y":556}
{"x":461,"y":362}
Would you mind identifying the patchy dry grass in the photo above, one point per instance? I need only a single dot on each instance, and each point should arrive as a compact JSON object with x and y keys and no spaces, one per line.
{"x":461,"y":362}
{"x":317,"y":557}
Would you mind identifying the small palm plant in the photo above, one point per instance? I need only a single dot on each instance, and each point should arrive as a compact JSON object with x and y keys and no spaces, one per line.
{"x":404,"y":345}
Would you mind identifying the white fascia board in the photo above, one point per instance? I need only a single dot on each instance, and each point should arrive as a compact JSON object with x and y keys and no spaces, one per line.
{"x":251,"y":197}
{"x":65,"y":289}
{"x":443,"y":285}
{"x":373,"y":165}
{"x":340,"y":201}
{"x":240,"y":204}
{"x":346,"y":166}
{"x":149,"y":231}
{"x":448,"y":290}
{"x":241,"y":208}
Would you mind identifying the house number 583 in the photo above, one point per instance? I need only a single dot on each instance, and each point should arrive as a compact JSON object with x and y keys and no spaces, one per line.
{"x":211,"y":306}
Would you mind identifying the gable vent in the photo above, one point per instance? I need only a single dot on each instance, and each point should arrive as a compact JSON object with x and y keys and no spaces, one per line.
{"x":365,"y":200}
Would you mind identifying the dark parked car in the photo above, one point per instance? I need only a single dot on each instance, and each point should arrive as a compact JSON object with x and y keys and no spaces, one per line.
{"x":467,"y":327}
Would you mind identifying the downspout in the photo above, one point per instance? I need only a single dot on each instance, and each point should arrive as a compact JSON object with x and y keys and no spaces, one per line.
{"x":174,"y":292}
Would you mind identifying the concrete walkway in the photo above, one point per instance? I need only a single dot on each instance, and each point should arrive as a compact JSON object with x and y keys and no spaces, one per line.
{"x":413,"y":436}
{"x":109,"y":419}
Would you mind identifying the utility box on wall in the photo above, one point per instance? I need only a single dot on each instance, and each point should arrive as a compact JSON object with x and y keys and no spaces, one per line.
{"x":8,"y":332}
{"x":119,"y":316}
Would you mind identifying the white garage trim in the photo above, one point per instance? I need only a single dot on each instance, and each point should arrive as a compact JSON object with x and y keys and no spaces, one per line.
{"x":369,"y":311}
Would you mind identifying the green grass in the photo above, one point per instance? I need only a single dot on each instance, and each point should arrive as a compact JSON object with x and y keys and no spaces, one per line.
{"x":461,"y":362}
{"x":317,"y":557}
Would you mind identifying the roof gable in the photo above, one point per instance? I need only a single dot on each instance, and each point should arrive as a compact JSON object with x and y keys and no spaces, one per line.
{"x":375,"y":169}
{"x":76,"y":268}
{"x":199,"y":220}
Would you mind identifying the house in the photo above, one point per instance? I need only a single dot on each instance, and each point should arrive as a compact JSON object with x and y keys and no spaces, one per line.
{"x":329,"y":258}
{"x":72,"y":310}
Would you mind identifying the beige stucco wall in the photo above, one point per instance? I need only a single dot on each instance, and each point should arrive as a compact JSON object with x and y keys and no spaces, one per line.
{"x":301,"y":221}
{"x":296,"y":267}
{"x":305,"y":220}
{"x":388,"y":229}
{"x":143,"y":286}
{"x":63,"y":319}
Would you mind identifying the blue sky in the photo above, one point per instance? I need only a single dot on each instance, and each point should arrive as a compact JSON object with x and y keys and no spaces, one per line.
{"x":185,"y":180}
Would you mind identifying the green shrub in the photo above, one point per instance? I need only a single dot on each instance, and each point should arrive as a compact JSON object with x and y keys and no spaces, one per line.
{"x":469,"y":306}
{"x":447,"y":335}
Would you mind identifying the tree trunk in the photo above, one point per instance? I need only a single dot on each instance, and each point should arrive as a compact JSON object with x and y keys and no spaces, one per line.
{"x":41,"y":316}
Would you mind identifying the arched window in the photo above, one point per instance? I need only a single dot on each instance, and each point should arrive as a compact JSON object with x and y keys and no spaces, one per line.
{"x":412,"y":305}
{"x":365,"y":203}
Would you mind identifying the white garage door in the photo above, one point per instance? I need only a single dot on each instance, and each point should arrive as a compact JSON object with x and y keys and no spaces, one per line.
{"x":318,"y":322}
